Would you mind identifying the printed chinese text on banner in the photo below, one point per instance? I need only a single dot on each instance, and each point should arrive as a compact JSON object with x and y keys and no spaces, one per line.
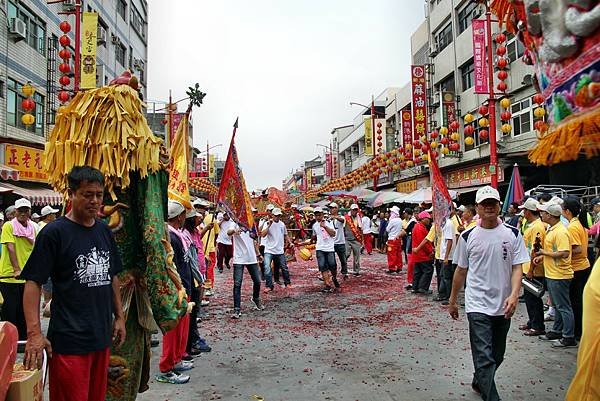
{"x":233,"y":196}
{"x":88,"y":50}
{"x":479,"y":57}
{"x":369,"y":146}
{"x":328,"y":165}
{"x":406,"y":127}
{"x":212,"y":171}
{"x":419,"y":101}
{"x":178,"y":177}
{"x":440,"y":197}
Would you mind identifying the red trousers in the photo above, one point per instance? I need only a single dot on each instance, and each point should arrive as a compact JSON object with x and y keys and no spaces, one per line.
{"x":368,"y":242}
{"x":394,"y":254}
{"x":410,"y":269}
{"x":210,"y":270}
{"x":174,"y":343}
{"x":79,"y":377}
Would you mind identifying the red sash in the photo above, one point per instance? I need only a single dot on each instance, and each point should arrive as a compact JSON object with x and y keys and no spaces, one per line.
{"x":355,"y":230}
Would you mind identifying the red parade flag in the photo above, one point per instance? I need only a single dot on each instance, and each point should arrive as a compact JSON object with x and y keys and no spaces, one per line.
{"x":233,"y":196}
{"x":440,"y":196}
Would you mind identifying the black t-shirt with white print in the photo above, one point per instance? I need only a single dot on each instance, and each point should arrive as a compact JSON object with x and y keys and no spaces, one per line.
{"x":81,"y":261}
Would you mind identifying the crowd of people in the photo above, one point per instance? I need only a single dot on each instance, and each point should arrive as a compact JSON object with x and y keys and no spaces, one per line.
{"x":544,"y":242}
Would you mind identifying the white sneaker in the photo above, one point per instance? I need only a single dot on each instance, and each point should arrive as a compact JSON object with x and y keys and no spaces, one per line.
{"x":204,"y":302}
{"x":208,"y":293}
{"x":182,"y":366}
{"x":549,"y":316}
{"x":236,"y":314}
{"x":257,"y":304}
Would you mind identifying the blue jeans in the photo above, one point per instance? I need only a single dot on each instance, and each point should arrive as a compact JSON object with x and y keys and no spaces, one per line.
{"x":488,"y":343}
{"x":564,"y":320}
{"x":340,"y":250}
{"x":326,"y":262}
{"x":278,"y":262}
{"x":238,"y":275}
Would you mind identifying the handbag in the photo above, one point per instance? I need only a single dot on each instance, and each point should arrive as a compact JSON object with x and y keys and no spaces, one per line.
{"x":533,"y":286}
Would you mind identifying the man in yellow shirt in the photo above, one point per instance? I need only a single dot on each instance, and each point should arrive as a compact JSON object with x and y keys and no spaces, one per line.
{"x":556,"y":256}
{"x":534,"y":235}
{"x":18,"y":236}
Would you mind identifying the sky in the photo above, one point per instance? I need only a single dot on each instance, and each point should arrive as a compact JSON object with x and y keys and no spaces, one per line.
{"x":288,"y":69}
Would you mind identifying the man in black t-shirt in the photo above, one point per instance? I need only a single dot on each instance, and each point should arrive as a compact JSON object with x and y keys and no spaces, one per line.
{"x":80,"y":255}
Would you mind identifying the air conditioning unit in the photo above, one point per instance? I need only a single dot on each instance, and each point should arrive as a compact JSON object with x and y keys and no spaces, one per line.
{"x":137,"y":64}
{"x":433,"y":50}
{"x":18,"y":28}
{"x":101,"y":38}
{"x":100,"y":72}
{"x":115,"y":40}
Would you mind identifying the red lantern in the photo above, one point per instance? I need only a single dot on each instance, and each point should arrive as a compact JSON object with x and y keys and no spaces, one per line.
{"x":500,"y":38}
{"x":64,"y":54}
{"x":64,"y":80}
{"x":501,"y":50}
{"x":65,"y":27}
{"x":434,"y":134}
{"x":64,"y":41}
{"x":455,"y":147}
{"x":502,"y":86}
{"x":444,"y":140}
{"x":505,"y":115}
{"x":164,"y":122}
{"x":63,"y":96}
{"x":403,"y":165}
{"x":379,"y":137}
{"x":27,"y":104}
{"x":502,"y":75}
{"x":379,"y":125}
{"x":418,"y":160}
{"x":469,"y":130}
{"x":538,"y":98}
{"x":484,"y":134}
{"x":502,"y":63}
{"x":483,"y":110}
{"x":65,"y":68}
{"x":454,"y":125}
{"x":425,"y":148}
{"x":417,"y":144}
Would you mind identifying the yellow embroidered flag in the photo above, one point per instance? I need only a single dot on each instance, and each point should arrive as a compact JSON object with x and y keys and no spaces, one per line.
{"x":88,"y":50}
{"x":178,"y":177}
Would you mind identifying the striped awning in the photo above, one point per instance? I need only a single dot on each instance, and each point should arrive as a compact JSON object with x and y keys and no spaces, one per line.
{"x":38,"y":196}
{"x":7,"y":173}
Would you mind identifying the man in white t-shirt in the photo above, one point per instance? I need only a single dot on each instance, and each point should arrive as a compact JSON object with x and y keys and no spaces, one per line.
{"x":367,"y":236}
{"x":261,"y":224}
{"x":245,"y":255}
{"x":340,"y":238}
{"x":394,"y":243}
{"x":224,"y":244}
{"x":323,"y":234}
{"x":276,"y":237}
{"x":492,"y":254}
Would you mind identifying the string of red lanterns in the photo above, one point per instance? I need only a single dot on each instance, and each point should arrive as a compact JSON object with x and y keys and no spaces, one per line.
{"x":64,"y":67}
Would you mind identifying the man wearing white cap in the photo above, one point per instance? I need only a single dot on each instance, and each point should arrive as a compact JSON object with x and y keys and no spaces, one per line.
{"x":340,"y":239}
{"x":354,"y":238}
{"x":492,"y":253}
{"x":558,"y":270}
{"x":48,"y":215}
{"x":18,"y":236}
{"x":534,"y":235}
{"x":276,"y":237}
{"x":224,"y":243}
{"x":323,"y":234}
{"x":394,"y":242}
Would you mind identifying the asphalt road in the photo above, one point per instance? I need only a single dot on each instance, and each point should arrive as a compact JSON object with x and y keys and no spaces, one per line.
{"x":372,"y":341}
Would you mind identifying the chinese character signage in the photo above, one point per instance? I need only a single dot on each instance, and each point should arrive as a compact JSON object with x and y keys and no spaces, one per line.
{"x":368,"y":122}
{"x":406,"y":127}
{"x":448,"y":109}
{"x":479,"y":57}
{"x":88,"y":50}
{"x":419,"y":101}
{"x":406,"y":187}
{"x":471,"y":176}
{"x":27,"y":161}
{"x":212,"y":171}
{"x":328,"y":165}
{"x":309,"y":178}
{"x":175,"y":120}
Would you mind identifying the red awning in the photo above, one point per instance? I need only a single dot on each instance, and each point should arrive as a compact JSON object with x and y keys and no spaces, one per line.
{"x":7,"y":173}
{"x":38,"y":196}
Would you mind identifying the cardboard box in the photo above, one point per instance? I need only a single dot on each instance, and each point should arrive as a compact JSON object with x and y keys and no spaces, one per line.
{"x":25,"y":385}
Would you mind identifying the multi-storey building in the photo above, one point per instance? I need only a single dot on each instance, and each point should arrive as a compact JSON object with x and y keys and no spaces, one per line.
{"x":29,"y":47}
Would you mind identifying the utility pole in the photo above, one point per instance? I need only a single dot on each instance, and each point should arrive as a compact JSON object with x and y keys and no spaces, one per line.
{"x":492,"y":99}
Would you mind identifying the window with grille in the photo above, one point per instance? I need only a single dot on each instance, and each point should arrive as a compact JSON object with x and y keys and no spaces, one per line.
{"x":522,"y":117}
{"x":443,"y":37}
{"x":467,"y":14}
{"x":14,"y":111}
{"x":36,"y":27}
{"x":122,"y":9}
{"x":120,"y":54}
{"x":514,"y":47}
{"x":137,"y":22}
{"x":467,"y":75}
